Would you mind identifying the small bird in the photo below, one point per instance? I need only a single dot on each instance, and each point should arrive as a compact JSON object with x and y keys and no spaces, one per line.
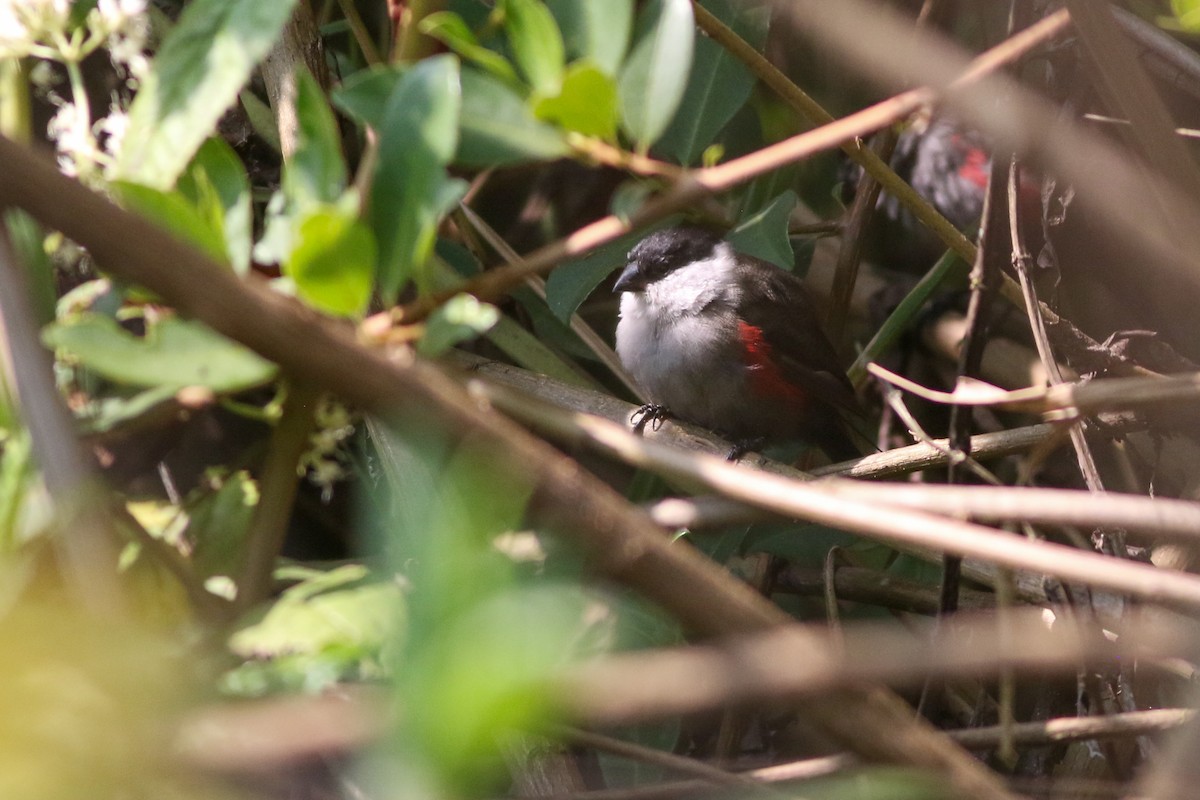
{"x":730,"y":342}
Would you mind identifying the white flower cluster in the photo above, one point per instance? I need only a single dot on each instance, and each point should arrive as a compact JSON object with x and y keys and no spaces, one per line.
{"x":45,"y":30}
{"x":324,"y":462}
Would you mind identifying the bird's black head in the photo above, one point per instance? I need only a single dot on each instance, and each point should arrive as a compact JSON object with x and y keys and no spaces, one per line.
{"x":663,"y":252}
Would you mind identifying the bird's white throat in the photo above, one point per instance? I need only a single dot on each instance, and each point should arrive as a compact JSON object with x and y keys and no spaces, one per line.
{"x":690,"y":289}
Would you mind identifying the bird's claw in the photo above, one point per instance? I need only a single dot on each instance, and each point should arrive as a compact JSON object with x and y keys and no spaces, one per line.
{"x":743,"y":446}
{"x":652,"y":414}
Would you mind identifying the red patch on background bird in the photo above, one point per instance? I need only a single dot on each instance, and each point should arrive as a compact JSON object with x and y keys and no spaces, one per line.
{"x":766,"y":379}
{"x":975,"y":167}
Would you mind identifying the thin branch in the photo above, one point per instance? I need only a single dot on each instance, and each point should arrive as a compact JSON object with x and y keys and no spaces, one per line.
{"x":637,"y":687}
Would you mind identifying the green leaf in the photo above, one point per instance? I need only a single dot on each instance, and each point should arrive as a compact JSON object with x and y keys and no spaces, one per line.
{"x":449,"y":29}
{"x":765,"y":235}
{"x":570,"y":284}
{"x":587,"y":103}
{"x":1187,"y":12}
{"x":654,"y":77}
{"x":595,"y":31}
{"x":363,"y":96}
{"x":461,"y":318}
{"x":173,"y":212}
{"x":316,"y":172}
{"x":199,"y":69}
{"x":335,"y":609}
{"x":216,"y":184}
{"x":498,"y":128}
{"x":174,"y":353}
{"x":411,"y":190}
{"x":718,"y":86}
{"x":218,"y":523}
{"x":536,"y":43}
{"x":333,"y":261}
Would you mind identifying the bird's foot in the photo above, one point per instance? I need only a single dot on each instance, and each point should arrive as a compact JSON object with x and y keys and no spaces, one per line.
{"x":743,"y":446}
{"x":651,"y":414}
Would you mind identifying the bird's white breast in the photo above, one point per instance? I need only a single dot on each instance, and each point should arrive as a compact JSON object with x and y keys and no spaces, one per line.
{"x":678,"y":337}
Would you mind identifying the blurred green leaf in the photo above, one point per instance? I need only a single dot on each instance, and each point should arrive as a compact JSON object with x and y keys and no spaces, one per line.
{"x":215,"y":182}
{"x":196,"y":75}
{"x":339,"y":608}
{"x":28,"y":240}
{"x":461,"y":318}
{"x":765,"y":235}
{"x":655,"y":75}
{"x":316,"y":172}
{"x":82,"y":706}
{"x":1187,"y":12}
{"x":363,"y":95}
{"x":449,"y":29}
{"x":587,"y":103}
{"x":218,"y":522}
{"x":498,"y":128}
{"x":536,"y":44}
{"x":332,"y":261}
{"x":411,"y":191}
{"x":174,"y":352}
{"x":719,"y":84}
{"x":173,"y":212}
{"x":595,"y":31}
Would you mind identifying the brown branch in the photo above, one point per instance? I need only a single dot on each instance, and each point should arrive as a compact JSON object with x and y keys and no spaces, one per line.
{"x":648,"y":685}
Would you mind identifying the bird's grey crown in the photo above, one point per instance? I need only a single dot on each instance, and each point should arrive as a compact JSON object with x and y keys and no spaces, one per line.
{"x":664,"y":251}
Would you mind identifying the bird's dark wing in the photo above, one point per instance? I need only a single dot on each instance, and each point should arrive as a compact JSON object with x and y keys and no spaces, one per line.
{"x":779,"y":311}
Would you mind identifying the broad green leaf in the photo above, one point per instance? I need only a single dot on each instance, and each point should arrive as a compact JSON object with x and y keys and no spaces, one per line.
{"x":173,"y":212}
{"x":497,"y":126}
{"x":587,"y":103}
{"x":598,"y":31}
{"x":536,"y":43}
{"x":529,"y":352}
{"x":765,"y":235}
{"x":364,"y":95}
{"x":570,"y":284}
{"x":107,"y":413}
{"x":332,"y":261}
{"x":334,"y":609}
{"x":449,"y":29}
{"x":199,"y":69}
{"x":316,"y":172}
{"x":174,"y":352}
{"x":216,"y":183}
{"x":218,"y":523}
{"x":411,"y":190}
{"x":718,"y":86}
{"x":461,"y":318}
{"x":654,"y":77}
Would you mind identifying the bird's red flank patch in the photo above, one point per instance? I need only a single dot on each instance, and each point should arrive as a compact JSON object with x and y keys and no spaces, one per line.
{"x":766,"y":379}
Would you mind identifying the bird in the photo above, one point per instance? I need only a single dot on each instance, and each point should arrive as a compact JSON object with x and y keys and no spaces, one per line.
{"x":729,"y":342}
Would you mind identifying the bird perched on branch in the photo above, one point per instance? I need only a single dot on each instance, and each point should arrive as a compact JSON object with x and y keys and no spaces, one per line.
{"x":730,"y":342}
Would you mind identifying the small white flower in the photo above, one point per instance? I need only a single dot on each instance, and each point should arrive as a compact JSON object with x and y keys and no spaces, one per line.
{"x":111,"y":129}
